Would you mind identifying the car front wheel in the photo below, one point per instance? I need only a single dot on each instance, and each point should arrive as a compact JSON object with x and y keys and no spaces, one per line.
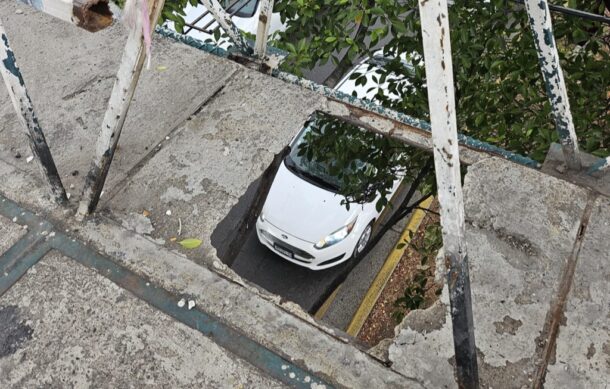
{"x":363,"y":241}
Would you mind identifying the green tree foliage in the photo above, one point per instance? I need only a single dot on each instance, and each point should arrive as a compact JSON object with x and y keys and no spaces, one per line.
{"x":173,"y":10}
{"x":362,"y":163}
{"x":500,"y":93}
{"x":414,"y":294}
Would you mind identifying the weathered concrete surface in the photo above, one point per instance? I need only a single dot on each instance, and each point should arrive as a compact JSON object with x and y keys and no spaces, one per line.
{"x":69,"y":75}
{"x":203,"y":170}
{"x":280,"y":326}
{"x":554,"y":164}
{"x":9,"y":233}
{"x":71,"y":327}
{"x":582,"y":358}
{"x":522,"y":226}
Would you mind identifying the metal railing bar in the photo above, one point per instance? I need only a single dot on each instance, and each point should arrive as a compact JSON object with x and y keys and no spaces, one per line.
{"x":542,"y":29}
{"x":434,"y":16}
{"x":230,"y":14}
{"x":15,"y":86}
{"x":262,"y":31}
{"x":191,"y":24}
{"x":192,"y":27}
{"x":224,"y":20}
{"x":573,"y":12}
{"x":123,"y":89}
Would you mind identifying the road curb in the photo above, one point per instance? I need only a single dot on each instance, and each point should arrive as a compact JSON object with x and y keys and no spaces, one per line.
{"x":384,"y":274}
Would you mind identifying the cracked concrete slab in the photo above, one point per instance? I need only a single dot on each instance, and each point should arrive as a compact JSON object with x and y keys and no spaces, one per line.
{"x":192,"y":183}
{"x":74,"y":328}
{"x":582,"y":356}
{"x":518,"y":242}
{"x":69,"y":74}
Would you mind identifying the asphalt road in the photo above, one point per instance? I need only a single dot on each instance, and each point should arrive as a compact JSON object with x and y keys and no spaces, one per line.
{"x":305,"y":287}
{"x":256,"y":263}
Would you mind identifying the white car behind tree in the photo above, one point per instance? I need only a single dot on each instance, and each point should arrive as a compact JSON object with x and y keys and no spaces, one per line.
{"x":305,"y":219}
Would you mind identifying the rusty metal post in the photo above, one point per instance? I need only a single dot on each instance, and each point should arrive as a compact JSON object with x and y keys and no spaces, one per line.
{"x":224,"y":19}
{"x":542,"y":29}
{"x":116,"y":113}
{"x":264,"y":21}
{"x":25,"y":111}
{"x":92,"y":15}
{"x":439,"y":78}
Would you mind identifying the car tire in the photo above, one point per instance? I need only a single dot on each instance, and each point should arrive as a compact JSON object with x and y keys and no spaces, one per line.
{"x":363,"y":241}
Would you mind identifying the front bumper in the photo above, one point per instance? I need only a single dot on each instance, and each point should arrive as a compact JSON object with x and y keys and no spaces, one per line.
{"x":301,"y":252}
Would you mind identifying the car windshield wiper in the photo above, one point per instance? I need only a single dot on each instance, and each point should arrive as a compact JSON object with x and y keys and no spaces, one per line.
{"x":309,"y":176}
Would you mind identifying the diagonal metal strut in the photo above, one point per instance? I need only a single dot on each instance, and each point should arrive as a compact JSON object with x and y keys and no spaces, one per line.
{"x":15,"y":86}
{"x":542,"y":29}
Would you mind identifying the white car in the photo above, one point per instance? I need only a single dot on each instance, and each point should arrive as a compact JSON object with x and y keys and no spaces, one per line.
{"x":245,"y":15}
{"x":303,"y":219}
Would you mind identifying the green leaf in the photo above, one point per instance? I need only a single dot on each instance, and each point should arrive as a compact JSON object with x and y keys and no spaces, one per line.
{"x":190,"y":243}
{"x":377,"y":11}
{"x":330,"y":39}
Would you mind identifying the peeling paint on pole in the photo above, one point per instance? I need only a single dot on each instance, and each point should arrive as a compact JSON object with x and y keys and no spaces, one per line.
{"x":15,"y":86}
{"x":264,"y":21}
{"x":91,"y":15}
{"x":542,"y":29}
{"x":116,"y":113}
{"x":224,"y":19}
{"x":439,"y":73}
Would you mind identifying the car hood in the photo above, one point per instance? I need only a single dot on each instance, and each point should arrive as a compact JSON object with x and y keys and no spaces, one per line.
{"x":304,"y":210}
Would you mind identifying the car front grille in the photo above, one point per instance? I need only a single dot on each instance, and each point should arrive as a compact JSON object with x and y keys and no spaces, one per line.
{"x":297,"y":251}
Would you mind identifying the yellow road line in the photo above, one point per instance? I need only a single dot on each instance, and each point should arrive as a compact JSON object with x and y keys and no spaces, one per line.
{"x":380,"y":281}
{"x":322,"y":310}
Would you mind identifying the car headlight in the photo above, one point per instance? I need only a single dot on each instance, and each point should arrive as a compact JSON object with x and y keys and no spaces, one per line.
{"x":336,"y":236}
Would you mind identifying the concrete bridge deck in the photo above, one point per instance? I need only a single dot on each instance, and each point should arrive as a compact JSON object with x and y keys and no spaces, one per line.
{"x":105,"y":302}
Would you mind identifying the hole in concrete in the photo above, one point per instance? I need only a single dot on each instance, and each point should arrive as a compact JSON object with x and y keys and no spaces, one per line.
{"x":237,"y":245}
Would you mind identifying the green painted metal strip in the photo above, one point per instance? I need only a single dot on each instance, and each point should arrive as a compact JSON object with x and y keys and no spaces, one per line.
{"x":599,"y":166}
{"x":361,"y":103}
{"x":209,"y":47}
{"x":24,"y":254}
{"x":20,"y":259}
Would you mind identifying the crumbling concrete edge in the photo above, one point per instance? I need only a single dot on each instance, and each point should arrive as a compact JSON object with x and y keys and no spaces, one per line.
{"x":283,"y":327}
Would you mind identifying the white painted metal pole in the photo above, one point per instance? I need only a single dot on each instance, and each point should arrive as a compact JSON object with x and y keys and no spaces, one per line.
{"x":27,"y":117}
{"x":264,"y":20}
{"x":439,"y":80}
{"x":118,"y":106}
{"x":92,"y":15}
{"x":542,"y":28}
{"x":224,"y":19}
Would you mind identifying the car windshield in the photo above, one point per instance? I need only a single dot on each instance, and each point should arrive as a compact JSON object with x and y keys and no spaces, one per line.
{"x":316,"y":171}
{"x":242,"y":8}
